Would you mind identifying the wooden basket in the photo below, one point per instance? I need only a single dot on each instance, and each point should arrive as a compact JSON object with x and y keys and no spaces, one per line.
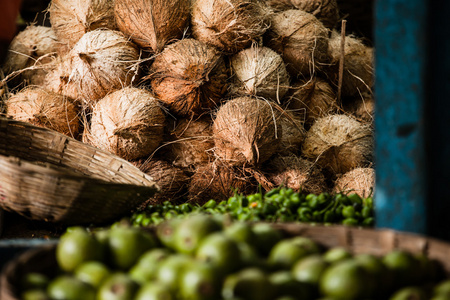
{"x":46,"y":175}
{"x":356,"y":240}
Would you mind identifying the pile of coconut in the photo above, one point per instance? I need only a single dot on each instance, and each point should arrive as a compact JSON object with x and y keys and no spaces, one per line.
{"x":209,"y":97}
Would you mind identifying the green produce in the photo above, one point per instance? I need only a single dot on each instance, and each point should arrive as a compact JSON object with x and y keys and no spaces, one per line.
{"x":278,"y":205}
{"x":77,"y":246}
{"x":66,"y":287}
{"x":234,"y":261}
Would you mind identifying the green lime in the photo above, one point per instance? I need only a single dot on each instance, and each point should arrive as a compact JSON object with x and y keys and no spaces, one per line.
{"x":166,"y":232}
{"x":307,"y":243}
{"x":345,"y":280}
{"x":169,"y":270}
{"x":442,"y":288}
{"x":127,"y":244}
{"x":66,"y":287}
{"x":200,"y":281}
{"x":404,"y":266}
{"x":190,"y":232}
{"x":146,"y":267}
{"x":92,"y":272}
{"x":285,"y":253}
{"x":409,"y":293}
{"x":241,"y":232}
{"x":34,"y":294}
{"x":154,"y":290}
{"x":34,"y":280}
{"x":118,"y":286}
{"x":380,"y":274}
{"x":76,"y":247}
{"x":286,"y":285}
{"x":248,"y":284}
{"x":266,"y":237}
{"x":336,"y":254}
{"x":310,"y":269}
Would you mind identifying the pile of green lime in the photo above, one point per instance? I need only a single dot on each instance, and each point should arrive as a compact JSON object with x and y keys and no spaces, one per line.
{"x":205,"y":257}
{"x":278,"y":205}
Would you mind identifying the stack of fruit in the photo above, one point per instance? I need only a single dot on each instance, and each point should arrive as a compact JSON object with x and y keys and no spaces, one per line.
{"x":203,"y":257}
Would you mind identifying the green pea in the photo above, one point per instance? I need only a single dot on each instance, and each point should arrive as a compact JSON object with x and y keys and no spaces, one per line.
{"x":355,"y":198}
{"x":272,"y":192}
{"x":305,"y":214}
{"x":210,"y":204}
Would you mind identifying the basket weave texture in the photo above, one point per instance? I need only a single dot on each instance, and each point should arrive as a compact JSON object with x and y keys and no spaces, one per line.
{"x":356,"y":240}
{"x":46,"y":175}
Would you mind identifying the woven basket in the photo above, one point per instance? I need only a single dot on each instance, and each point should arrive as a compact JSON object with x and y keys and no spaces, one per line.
{"x":356,"y":240}
{"x":46,"y":175}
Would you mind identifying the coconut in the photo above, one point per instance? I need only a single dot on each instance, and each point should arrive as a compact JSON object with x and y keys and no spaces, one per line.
{"x":152,"y":24}
{"x":230,"y":25}
{"x":219,"y":181}
{"x":296,"y":173}
{"x":360,"y":181}
{"x":128,"y":123}
{"x":172,"y":181}
{"x":259,"y":71}
{"x":71,"y":19}
{"x":192,"y":143}
{"x":293,"y":132}
{"x":327,"y":11}
{"x":101,"y":62}
{"x":358,"y":73}
{"x":45,"y":109}
{"x":312,"y":99}
{"x":30,"y":54}
{"x":247,"y":130}
{"x":362,"y":108}
{"x":339,"y":143}
{"x":58,"y":79}
{"x":189,"y":76}
{"x":301,"y":39}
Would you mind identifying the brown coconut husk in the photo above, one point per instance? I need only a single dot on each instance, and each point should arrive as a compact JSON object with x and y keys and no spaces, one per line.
{"x":301,"y":39}
{"x":247,"y":131}
{"x":58,"y":80}
{"x":259,"y":71}
{"x":362,"y":108}
{"x":45,"y":109}
{"x":293,"y":132}
{"x":71,"y":19}
{"x":219,"y":181}
{"x":191,"y":142}
{"x":339,"y":144}
{"x":128,"y":123}
{"x":312,"y":99}
{"x":172,"y":181}
{"x":152,"y":24}
{"x":360,"y":181}
{"x":230,"y":25}
{"x":296,"y":173}
{"x":101,"y":62}
{"x":30,"y":55}
{"x":358,"y":73}
{"x":190,"y":77}
{"x":327,"y":11}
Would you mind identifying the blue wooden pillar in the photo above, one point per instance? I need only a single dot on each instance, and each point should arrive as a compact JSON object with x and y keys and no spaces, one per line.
{"x":412,"y":132}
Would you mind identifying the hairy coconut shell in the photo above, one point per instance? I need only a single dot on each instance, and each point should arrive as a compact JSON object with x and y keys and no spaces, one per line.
{"x":101,"y":62}
{"x":296,"y":173}
{"x":128,"y":123}
{"x":152,"y":24}
{"x":327,"y":11}
{"x":191,"y":142}
{"x":293,"y":132}
{"x":301,"y":39}
{"x":219,"y":181}
{"x":339,"y":143}
{"x":71,"y":19}
{"x":30,"y":55}
{"x":259,"y":71}
{"x":358,"y":76}
{"x":359,"y":180}
{"x":362,"y":108}
{"x":312,"y":99}
{"x":189,"y":76}
{"x":45,"y":109}
{"x":247,"y":130}
{"x":58,"y":80}
{"x":172,"y":181}
{"x":230,"y":25}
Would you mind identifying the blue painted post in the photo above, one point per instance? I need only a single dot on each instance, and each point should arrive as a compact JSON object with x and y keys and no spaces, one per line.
{"x":412,"y":139}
